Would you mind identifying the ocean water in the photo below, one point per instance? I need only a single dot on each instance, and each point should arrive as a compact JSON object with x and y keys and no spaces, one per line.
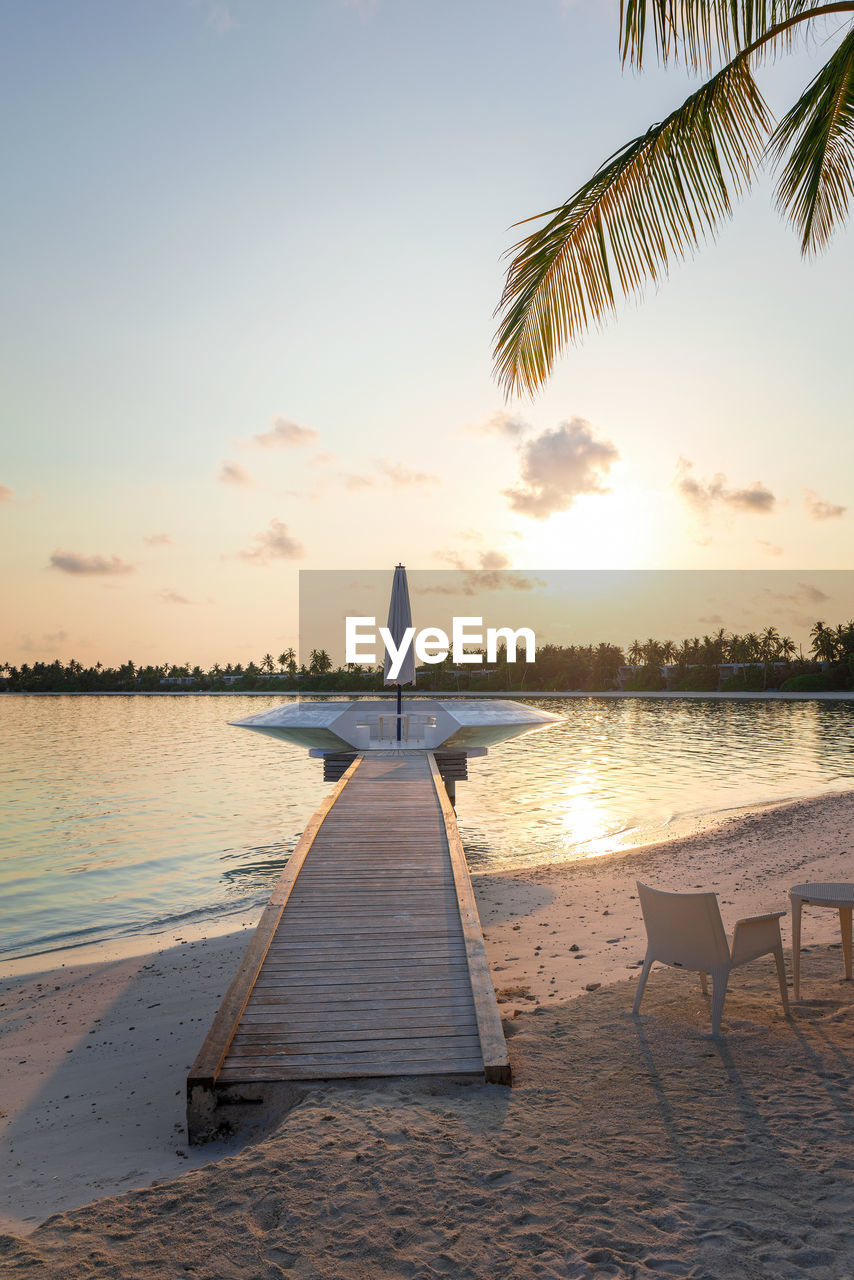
{"x":127,"y":815}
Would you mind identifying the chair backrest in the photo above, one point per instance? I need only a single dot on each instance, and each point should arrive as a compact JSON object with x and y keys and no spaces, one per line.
{"x":684,"y":928}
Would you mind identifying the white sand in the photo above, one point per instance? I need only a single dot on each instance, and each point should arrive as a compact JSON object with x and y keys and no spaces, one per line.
{"x":532,"y":918}
{"x":624,"y":1148}
{"x":94,"y":1060}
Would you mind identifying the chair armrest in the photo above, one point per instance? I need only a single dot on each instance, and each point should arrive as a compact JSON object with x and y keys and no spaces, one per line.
{"x":756,"y":936}
{"x":769,"y":915}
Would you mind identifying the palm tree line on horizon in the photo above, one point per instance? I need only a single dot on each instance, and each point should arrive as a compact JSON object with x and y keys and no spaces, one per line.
{"x":828,"y":644}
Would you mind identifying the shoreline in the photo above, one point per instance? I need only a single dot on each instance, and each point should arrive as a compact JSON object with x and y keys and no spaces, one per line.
{"x":750,"y":859}
{"x":831,"y":695}
{"x":679,"y":828}
{"x":107,"y":1043}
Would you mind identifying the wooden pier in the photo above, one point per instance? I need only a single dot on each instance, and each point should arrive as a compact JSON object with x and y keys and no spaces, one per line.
{"x":368,"y":959}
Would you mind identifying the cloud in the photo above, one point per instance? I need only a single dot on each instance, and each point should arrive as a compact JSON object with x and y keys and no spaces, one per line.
{"x":6,"y":493}
{"x":504,"y":424}
{"x":711,"y":620}
{"x":812,"y":595}
{"x":392,"y":473}
{"x":284,"y":434}
{"x":818,"y":509}
{"x":804,"y":593}
{"x":174,"y":597}
{"x":273,"y":543}
{"x":688,"y":487}
{"x":798,"y":605}
{"x":770,"y":548}
{"x":233,"y":473}
{"x":158,"y":540}
{"x":402,"y":477}
{"x":217,"y":15}
{"x":494,"y":574}
{"x":756,"y":498}
{"x":91,"y":566}
{"x":559,"y":466}
{"x":494,"y":560}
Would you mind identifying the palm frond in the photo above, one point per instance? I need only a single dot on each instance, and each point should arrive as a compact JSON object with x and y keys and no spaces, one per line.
{"x":818,"y":178}
{"x":701,"y":33}
{"x":655,"y":198}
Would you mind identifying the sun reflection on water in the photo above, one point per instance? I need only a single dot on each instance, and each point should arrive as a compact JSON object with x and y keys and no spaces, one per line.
{"x":120,"y":813}
{"x":620,"y":773}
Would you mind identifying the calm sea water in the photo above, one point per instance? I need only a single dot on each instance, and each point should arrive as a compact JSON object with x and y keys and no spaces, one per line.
{"x":123,"y":815}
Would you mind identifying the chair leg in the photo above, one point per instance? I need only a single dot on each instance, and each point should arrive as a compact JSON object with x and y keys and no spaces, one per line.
{"x":647,"y":965}
{"x":845,"y":930}
{"x":720,"y":979}
{"x":781,"y":977}
{"x":704,"y":986}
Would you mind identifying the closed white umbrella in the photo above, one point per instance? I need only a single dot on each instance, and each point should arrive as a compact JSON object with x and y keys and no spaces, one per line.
{"x":399,"y":618}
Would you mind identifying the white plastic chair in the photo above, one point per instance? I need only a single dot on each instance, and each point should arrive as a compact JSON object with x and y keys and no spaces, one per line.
{"x":685,"y":930}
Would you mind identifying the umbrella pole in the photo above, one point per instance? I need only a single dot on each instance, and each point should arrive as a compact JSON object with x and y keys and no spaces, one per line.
{"x":398,"y":713}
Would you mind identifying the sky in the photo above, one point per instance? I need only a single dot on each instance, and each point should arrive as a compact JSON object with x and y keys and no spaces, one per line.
{"x":250,"y":257}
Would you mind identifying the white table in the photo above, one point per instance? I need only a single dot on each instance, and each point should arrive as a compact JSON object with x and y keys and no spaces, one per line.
{"x":831,"y":894}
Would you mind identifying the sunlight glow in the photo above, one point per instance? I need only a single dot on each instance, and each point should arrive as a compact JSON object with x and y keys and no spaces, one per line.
{"x":614,"y":531}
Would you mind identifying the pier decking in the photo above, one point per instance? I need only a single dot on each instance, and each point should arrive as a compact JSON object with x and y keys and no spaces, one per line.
{"x":368,"y":959}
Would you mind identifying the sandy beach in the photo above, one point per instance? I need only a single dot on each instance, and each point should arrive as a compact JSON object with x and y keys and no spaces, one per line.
{"x":625,"y":1148}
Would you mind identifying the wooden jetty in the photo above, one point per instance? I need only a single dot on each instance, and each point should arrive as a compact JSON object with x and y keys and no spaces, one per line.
{"x":368,"y":959}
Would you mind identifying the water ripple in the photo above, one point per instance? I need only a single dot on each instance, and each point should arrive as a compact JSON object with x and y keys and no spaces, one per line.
{"x":128,"y":814}
{"x":615,"y":772}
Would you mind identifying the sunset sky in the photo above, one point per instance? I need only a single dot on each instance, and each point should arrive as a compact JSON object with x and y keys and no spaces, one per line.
{"x":250,"y":256}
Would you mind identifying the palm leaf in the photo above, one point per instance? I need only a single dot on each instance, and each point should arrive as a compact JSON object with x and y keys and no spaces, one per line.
{"x":701,"y":32}
{"x":655,"y":198}
{"x":818,"y":178}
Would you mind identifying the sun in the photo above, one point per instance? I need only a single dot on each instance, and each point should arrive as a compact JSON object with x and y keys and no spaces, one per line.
{"x":615,"y":530}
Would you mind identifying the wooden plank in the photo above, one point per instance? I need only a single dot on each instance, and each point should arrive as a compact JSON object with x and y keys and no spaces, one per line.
{"x":306,"y":960}
{"x":346,"y":946}
{"x":307,"y":957}
{"x":284,"y":1022}
{"x":345,"y":1071}
{"x":372,"y":970}
{"x":390,"y":978}
{"x":358,"y":967}
{"x":399,"y":1002}
{"x":385,"y":928}
{"x":364,"y":990}
{"x":314,"y":942}
{"x":349,"y":1002}
{"x":365,"y":1019}
{"x":493,"y":1045}
{"x":350,"y":1029}
{"x":339,"y":923}
{"x":298,"y":979}
{"x":382,"y":1055}
{"x":377,"y":1047}
{"x":387,"y":898}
